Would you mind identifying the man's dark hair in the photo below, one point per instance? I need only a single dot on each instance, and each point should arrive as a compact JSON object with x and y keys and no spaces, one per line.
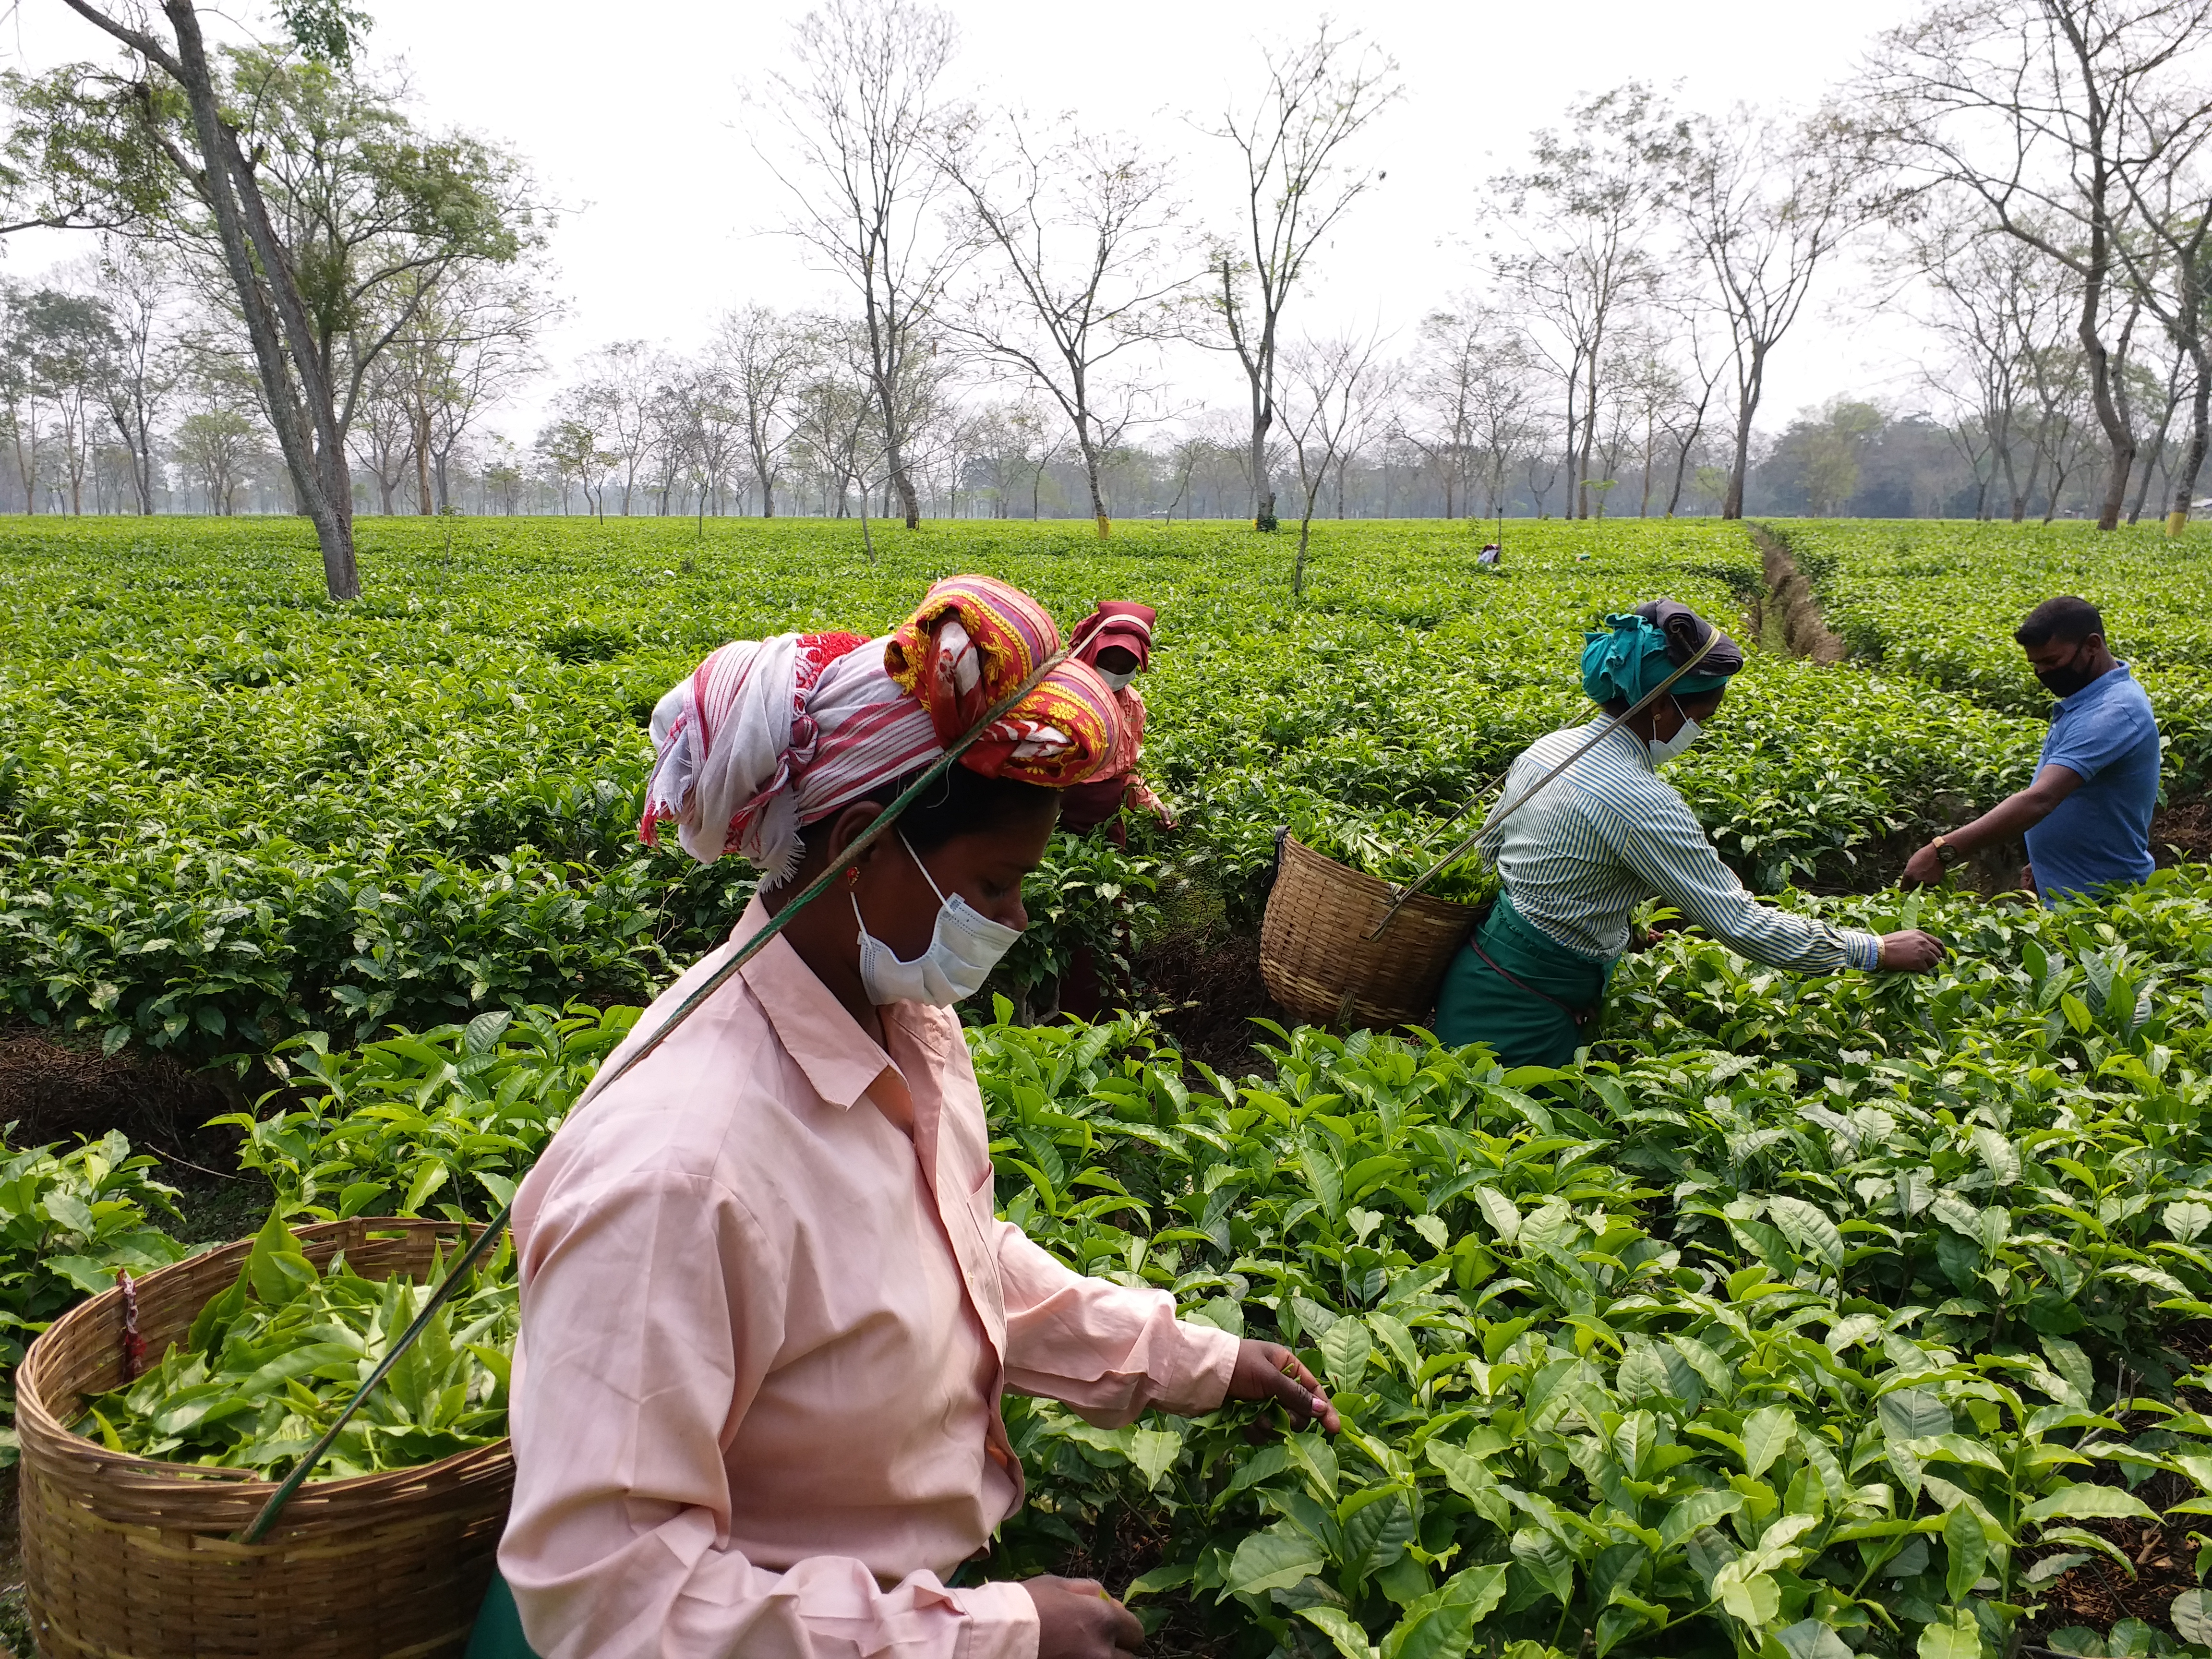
{"x":2066,"y":619}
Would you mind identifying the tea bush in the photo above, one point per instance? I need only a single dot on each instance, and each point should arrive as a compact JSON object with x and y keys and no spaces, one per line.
{"x":1808,"y":1312}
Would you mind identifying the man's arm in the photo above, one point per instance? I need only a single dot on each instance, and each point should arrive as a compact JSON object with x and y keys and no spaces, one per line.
{"x":2011,"y":817}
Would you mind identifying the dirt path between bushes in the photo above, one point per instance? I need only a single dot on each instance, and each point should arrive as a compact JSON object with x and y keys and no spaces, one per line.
{"x":1788,"y":613}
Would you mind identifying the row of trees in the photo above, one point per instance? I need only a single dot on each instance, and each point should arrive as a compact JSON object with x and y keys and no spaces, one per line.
{"x":120,"y":378}
{"x":291,"y":250}
{"x":114,"y":398}
{"x":112,"y":401}
{"x":328,"y":235}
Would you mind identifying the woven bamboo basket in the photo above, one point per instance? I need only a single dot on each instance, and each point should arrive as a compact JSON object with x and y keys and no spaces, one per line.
{"x":1319,"y":963}
{"x":128,"y":1558}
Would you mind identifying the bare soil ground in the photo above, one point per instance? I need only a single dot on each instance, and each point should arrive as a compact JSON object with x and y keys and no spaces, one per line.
{"x":56,"y":1092}
{"x":1208,"y":990}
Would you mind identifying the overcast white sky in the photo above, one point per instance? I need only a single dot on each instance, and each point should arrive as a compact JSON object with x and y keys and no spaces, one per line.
{"x":633,"y":116}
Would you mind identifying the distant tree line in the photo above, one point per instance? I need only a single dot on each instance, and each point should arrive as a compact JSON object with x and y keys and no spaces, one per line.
{"x":308,"y":300}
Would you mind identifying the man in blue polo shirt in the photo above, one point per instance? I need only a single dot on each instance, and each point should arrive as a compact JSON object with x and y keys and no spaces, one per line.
{"x":2087,"y":817}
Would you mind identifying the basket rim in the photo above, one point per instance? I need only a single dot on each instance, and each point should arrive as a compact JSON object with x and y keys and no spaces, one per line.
{"x":1440,"y":909}
{"x":33,"y":1410}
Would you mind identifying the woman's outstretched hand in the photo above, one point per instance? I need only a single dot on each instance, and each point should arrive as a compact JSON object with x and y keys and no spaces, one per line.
{"x":1077,"y":1620}
{"x":1268,"y":1370}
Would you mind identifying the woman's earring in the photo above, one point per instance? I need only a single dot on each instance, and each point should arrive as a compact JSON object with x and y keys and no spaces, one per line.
{"x":852,"y":876}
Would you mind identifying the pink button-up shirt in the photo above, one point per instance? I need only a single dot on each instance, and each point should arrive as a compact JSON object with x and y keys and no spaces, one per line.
{"x":767,"y":1317}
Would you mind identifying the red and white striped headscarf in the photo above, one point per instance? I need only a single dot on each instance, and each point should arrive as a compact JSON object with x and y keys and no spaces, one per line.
{"x":769,"y":736}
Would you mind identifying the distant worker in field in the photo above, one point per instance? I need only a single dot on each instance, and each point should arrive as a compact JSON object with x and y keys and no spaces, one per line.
{"x":1491,"y":556}
{"x":1577,"y":860}
{"x":1117,"y":639}
{"x":2087,"y":817}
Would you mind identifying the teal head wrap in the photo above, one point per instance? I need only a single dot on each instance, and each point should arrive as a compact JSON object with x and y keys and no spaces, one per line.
{"x":1635,"y":652}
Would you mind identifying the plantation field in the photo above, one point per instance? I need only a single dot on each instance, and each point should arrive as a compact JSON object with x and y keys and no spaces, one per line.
{"x":233,"y":813}
{"x":1809,"y":1317}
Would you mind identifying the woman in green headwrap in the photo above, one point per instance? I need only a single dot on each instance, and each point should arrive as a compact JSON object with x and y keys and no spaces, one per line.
{"x":1579,"y":857}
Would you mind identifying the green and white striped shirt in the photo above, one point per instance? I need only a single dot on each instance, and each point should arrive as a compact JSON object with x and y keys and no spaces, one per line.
{"x":1596,"y":843}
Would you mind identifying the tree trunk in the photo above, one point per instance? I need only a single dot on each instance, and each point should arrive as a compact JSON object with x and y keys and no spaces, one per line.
{"x":1263,"y":490}
{"x":1732,"y":503}
{"x":1097,"y":497}
{"x":2200,"y":435}
{"x":2157,"y":447}
{"x":1589,"y":438}
{"x":314,"y":452}
{"x":1751,"y":385}
{"x":422,"y":503}
{"x":1574,"y":385}
{"x":27,"y":456}
{"x":2109,"y":415}
{"x":1650,"y":436}
{"x":1681,"y":472}
{"x":2027,"y":492}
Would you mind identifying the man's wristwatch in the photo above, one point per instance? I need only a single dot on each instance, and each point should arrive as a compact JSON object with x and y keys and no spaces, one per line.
{"x":1946,"y":855}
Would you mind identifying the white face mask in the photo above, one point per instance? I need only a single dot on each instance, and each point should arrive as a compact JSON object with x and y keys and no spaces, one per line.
{"x":1116,"y":681}
{"x":1689,"y":732}
{"x":964,"y":947}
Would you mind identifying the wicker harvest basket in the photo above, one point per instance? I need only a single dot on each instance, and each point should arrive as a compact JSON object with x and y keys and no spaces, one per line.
{"x":127,"y":1557}
{"x":1319,"y":963}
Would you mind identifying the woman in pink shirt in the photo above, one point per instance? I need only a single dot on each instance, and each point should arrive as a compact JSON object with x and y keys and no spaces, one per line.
{"x":767,"y":1311}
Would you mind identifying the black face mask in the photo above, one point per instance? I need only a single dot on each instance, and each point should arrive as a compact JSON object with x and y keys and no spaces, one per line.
{"x":2065,"y":681}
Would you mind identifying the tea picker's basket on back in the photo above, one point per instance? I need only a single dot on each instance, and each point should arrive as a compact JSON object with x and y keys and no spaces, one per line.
{"x":1320,"y":962}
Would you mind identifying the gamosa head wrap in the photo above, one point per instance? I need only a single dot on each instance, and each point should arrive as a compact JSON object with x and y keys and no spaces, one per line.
{"x":1635,"y":651}
{"x":769,"y":736}
{"x":1122,"y":622}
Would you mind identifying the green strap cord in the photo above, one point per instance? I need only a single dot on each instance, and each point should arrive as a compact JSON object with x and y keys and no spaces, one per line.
{"x":691,"y":1005}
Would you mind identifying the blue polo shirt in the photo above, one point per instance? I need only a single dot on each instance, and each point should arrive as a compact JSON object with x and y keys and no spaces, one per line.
{"x":2107,"y":736}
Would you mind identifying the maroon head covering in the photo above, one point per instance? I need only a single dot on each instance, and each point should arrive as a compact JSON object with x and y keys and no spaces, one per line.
{"x":1115,"y":622}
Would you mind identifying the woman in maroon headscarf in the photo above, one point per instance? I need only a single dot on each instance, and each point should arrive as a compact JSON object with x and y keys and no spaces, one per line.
{"x":1116,"y":641}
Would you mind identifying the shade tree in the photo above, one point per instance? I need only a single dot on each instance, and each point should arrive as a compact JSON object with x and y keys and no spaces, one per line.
{"x":292,"y":174}
{"x":2049,"y":113}
{"x":1300,"y":171}
{"x":1083,"y":269}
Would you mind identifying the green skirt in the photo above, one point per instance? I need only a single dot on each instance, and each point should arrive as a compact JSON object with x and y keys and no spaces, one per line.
{"x":1476,"y":1004}
{"x":498,"y":1632}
